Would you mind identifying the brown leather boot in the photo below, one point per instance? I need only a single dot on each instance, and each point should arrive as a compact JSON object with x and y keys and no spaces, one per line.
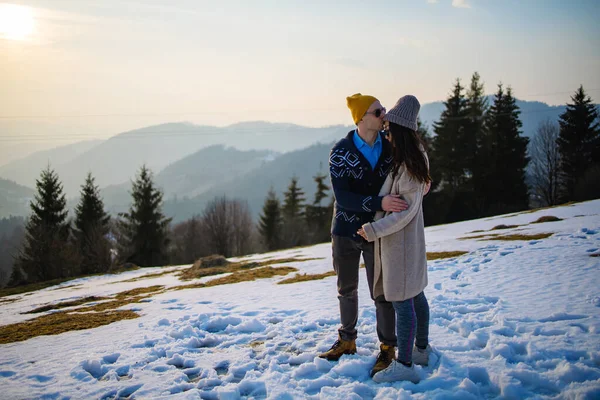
{"x":339,"y":348}
{"x":385,"y":357}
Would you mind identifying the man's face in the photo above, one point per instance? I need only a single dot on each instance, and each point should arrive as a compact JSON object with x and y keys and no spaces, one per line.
{"x":373,"y":118}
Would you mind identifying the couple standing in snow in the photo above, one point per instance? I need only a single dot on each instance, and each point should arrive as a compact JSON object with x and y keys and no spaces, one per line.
{"x":379,"y":179}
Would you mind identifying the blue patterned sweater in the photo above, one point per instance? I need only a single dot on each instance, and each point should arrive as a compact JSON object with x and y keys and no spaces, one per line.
{"x":355,"y":185}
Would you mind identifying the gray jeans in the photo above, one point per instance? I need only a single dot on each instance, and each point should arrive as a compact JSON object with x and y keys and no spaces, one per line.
{"x":346,"y":258}
{"x":413,"y":324}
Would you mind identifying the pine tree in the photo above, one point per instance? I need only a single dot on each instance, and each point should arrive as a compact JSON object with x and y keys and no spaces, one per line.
{"x":144,"y":229}
{"x":506,"y":153}
{"x":269,"y":225}
{"x":450,"y":172}
{"x":46,"y":253}
{"x":475,"y":142}
{"x":423,"y":132}
{"x":476,"y":109}
{"x":293,"y":202}
{"x":91,"y":229}
{"x":579,"y":146}
{"x":318,"y":216}
{"x":293,"y":211}
{"x":448,"y":148}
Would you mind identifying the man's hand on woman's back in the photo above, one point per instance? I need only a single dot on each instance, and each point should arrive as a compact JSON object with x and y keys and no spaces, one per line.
{"x":393,"y":203}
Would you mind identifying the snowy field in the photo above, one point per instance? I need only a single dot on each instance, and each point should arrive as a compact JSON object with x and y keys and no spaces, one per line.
{"x":511,"y":319}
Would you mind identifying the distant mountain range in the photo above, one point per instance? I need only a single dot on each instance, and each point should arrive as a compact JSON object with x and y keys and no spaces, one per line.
{"x":115,"y":161}
{"x":193,"y":164}
{"x":532,"y":114}
{"x":14,"y":199}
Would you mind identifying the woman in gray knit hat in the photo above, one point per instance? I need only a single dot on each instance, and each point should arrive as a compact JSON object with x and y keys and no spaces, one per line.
{"x":400,"y":255}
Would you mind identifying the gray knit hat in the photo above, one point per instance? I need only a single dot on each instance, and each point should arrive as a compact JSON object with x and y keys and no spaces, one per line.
{"x":405,"y":112}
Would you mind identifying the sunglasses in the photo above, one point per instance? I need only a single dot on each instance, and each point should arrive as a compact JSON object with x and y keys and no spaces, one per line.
{"x":377,"y":113}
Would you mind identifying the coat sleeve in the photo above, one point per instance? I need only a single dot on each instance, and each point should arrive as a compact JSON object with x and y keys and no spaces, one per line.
{"x":412,"y":192}
{"x":340,"y":182}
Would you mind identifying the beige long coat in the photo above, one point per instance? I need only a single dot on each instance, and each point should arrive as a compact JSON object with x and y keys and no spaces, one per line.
{"x":400,"y":254}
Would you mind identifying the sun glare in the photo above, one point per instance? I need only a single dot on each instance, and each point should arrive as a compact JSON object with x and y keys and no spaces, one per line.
{"x":16,"y":22}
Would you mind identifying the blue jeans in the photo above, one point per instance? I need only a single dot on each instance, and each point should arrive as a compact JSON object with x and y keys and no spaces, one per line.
{"x":412,"y":321}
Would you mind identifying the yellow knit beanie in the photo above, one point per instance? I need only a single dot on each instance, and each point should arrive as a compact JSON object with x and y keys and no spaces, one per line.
{"x":358,"y":105}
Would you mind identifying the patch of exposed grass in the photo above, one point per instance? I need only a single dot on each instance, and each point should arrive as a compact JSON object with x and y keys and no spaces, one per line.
{"x":477,"y":231}
{"x":497,"y":227}
{"x":65,"y":304}
{"x":32,"y":287}
{"x":595,"y":255}
{"x":139,"y":291}
{"x":149,"y":276}
{"x":241,"y":276}
{"x":570,"y":203}
{"x":245,"y":276}
{"x":444,"y":254}
{"x":123,"y":298}
{"x":60,"y":322}
{"x":306,"y":277}
{"x":198,"y":271}
{"x":489,"y":235}
{"x":7,"y":301}
{"x":546,"y":218}
{"x":67,"y":287}
{"x":535,"y":236}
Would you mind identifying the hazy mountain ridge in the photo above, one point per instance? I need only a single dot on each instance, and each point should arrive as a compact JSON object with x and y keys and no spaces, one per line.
{"x":116,"y":160}
{"x":194,"y":163}
{"x":14,"y":198}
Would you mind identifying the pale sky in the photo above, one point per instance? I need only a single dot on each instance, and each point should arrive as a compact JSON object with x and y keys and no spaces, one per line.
{"x":77,"y":69}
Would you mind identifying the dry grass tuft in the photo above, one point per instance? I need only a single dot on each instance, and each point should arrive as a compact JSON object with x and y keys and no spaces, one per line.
{"x":486,"y":236}
{"x":306,"y":277}
{"x":198,"y":271}
{"x":497,"y":227}
{"x":595,"y":255}
{"x":65,"y":304}
{"x":32,"y":287}
{"x":546,"y":218}
{"x":444,"y":254}
{"x":8,"y":301}
{"x":149,"y":276}
{"x":139,"y":291}
{"x":123,"y":298}
{"x":535,"y":236}
{"x":570,"y":203}
{"x":241,"y":276}
{"x":245,"y":276}
{"x":60,"y":322}
{"x":67,"y":287}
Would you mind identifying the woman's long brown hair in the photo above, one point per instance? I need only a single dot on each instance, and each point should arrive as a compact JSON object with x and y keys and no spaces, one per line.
{"x":406,"y":148}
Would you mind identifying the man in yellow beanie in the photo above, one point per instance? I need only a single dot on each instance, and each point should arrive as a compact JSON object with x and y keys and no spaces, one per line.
{"x":358,"y":166}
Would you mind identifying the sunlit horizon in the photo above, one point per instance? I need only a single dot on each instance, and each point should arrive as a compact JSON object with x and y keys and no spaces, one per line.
{"x":95,"y":69}
{"x":16,"y":22}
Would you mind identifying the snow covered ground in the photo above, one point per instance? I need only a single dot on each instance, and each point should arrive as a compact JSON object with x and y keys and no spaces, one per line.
{"x":511,"y":319}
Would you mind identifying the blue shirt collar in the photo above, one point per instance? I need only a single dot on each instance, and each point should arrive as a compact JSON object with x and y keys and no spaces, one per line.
{"x":359,"y":142}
